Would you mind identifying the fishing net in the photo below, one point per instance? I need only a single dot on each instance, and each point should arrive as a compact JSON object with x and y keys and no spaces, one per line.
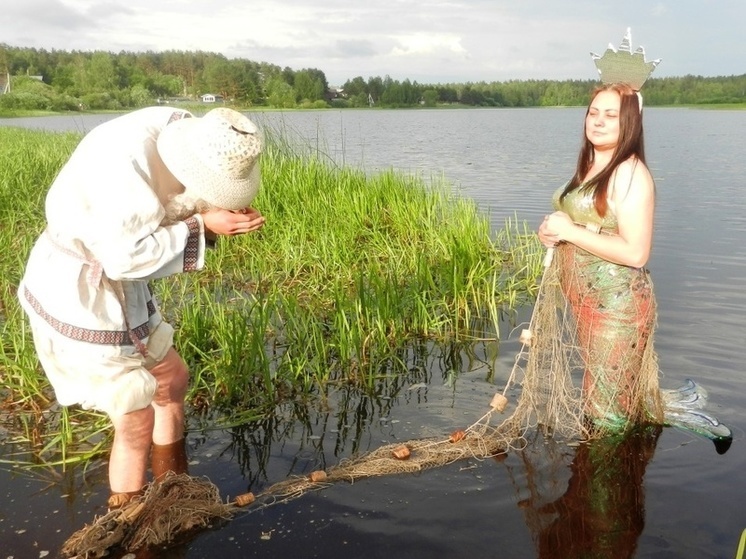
{"x":169,"y":511}
{"x":588,"y":361}
{"x":586,"y":367}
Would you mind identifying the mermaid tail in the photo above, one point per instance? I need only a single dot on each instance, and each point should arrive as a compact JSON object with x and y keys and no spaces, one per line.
{"x":688,"y":396}
{"x":683,"y":408}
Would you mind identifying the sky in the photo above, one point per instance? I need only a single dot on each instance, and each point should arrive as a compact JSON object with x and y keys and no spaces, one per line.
{"x":433,"y":42}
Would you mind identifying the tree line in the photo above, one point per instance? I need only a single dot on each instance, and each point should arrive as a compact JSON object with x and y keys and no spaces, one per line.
{"x":60,"y":81}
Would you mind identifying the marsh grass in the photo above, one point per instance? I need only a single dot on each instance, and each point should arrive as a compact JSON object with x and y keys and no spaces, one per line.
{"x":350,"y":270}
{"x":29,"y":161}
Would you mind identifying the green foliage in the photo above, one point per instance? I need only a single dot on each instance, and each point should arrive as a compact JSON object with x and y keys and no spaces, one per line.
{"x":358,"y":100}
{"x":350,"y":271}
{"x":280,"y":94}
{"x":429,"y":97}
{"x":309,"y":86}
{"x":25,"y":101}
{"x":103,"y":80}
{"x":233,"y":79}
{"x":319,"y":104}
{"x":29,"y":161}
{"x":139,"y":96}
{"x":30,"y":94}
{"x":688,"y":90}
{"x":100,"y":73}
{"x":103,"y":100}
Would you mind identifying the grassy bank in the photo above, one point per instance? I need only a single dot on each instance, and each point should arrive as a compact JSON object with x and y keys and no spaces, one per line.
{"x":349,"y":271}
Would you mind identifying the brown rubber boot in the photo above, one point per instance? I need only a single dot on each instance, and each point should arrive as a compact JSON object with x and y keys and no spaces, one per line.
{"x":168,"y":458}
{"x":118,"y":500}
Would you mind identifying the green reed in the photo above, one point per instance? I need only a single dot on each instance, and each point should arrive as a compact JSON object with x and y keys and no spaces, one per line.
{"x":349,"y":271}
{"x":29,"y":161}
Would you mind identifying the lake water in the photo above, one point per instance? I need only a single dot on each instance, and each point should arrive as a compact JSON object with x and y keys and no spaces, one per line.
{"x":677,"y":499}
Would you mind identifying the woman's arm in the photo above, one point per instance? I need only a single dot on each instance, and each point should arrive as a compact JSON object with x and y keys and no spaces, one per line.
{"x":633,"y":200}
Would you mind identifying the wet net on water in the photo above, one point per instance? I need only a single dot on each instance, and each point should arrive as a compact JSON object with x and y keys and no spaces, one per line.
{"x":579,"y":380}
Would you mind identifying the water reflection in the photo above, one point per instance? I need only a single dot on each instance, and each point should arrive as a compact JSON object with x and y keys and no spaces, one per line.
{"x":698,"y":265}
{"x":600,"y":511}
{"x":350,"y":418}
{"x":413,"y":393}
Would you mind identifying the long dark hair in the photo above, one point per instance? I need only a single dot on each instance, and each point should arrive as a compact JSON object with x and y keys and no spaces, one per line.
{"x":630,"y":144}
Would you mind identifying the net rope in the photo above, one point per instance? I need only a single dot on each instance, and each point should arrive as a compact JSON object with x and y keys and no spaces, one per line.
{"x":579,"y":379}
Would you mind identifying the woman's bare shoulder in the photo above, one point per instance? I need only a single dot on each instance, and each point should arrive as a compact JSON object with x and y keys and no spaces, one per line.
{"x":631,"y":174}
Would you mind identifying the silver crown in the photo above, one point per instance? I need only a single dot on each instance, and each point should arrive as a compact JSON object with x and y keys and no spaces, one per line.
{"x":624,"y":66}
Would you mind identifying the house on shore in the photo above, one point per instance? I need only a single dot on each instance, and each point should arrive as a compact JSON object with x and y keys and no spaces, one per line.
{"x":211,"y":98}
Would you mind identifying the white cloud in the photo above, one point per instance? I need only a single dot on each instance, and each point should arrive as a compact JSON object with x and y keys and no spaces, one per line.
{"x":441,"y":41}
{"x":423,"y":43}
{"x":659,"y":10}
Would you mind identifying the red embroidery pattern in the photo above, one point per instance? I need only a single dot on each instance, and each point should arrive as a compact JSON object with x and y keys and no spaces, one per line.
{"x":101,"y":337}
{"x":191,"y":251}
{"x":178,"y":115}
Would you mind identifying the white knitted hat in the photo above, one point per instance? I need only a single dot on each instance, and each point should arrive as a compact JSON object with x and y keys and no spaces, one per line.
{"x":215,"y":157}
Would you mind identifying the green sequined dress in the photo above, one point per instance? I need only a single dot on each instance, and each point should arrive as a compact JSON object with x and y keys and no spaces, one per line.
{"x":614,"y":313}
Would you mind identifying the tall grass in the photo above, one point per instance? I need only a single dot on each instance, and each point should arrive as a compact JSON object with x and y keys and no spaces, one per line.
{"x":349,"y":271}
{"x":29,"y":161}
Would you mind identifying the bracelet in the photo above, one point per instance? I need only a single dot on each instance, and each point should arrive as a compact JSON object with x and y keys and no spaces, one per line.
{"x":593,"y":227}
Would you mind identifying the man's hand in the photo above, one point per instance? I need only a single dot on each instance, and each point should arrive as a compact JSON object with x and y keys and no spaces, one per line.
{"x":227,"y":222}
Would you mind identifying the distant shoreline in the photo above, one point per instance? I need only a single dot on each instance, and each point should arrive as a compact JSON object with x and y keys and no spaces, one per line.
{"x":200,"y":108}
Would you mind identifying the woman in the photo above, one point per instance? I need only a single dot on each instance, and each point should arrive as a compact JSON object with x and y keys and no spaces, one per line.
{"x":602,"y":231}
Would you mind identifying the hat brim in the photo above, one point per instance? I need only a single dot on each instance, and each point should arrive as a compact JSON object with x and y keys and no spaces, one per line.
{"x":178,"y":152}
